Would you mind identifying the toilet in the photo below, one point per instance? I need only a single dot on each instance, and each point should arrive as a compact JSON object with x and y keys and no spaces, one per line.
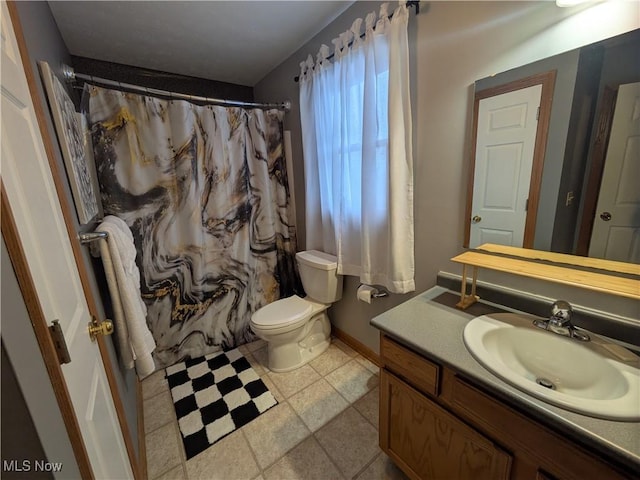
{"x":296,"y":329}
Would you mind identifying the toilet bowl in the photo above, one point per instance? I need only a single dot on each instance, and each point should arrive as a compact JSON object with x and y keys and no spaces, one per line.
{"x":296,"y":329}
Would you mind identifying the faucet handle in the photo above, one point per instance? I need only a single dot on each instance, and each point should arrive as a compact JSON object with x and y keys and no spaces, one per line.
{"x":561,"y":312}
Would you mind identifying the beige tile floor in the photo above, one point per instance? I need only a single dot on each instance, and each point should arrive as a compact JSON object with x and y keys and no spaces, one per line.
{"x":325,"y":426}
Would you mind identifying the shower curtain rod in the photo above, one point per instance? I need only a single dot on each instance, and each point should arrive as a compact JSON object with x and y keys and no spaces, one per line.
{"x":70,"y":76}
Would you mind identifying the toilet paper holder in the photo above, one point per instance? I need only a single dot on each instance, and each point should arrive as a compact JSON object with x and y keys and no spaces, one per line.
{"x":380,"y":293}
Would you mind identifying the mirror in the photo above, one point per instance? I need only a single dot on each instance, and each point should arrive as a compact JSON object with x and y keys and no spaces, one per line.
{"x":575,"y":181}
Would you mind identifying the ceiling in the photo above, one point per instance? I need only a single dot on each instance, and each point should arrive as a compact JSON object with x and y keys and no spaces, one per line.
{"x":231,"y":41}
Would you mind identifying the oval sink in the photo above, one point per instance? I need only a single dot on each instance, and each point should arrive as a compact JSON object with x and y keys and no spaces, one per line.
{"x":596,"y":378}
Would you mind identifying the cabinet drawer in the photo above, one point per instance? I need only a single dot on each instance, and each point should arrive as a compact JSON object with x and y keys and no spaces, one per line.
{"x":418,"y":371}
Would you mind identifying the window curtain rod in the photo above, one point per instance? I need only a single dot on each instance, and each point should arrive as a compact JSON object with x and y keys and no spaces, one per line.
{"x":410,"y":3}
{"x":71,"y":76}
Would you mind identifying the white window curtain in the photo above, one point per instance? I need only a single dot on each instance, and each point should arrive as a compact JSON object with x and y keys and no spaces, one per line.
{"x":356,"y":132}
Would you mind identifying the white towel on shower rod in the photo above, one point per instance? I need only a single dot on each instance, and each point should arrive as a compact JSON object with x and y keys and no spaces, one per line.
{"x":123,"y":278}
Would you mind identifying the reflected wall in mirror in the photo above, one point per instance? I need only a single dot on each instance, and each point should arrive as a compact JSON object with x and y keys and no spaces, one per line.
{"x":572,"y":185}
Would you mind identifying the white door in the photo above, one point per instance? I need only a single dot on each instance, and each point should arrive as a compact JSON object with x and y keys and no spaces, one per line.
{"x":505,"y":143}
{"x":616,"y":228}
{"x":40,"y":225}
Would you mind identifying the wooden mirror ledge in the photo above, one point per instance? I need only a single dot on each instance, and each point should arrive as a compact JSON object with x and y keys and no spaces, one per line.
{"x":607,"y":276}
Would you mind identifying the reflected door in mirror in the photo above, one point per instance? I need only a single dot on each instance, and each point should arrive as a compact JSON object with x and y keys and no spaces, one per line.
{"x":616,"y":227}
{"x":505,"y":142}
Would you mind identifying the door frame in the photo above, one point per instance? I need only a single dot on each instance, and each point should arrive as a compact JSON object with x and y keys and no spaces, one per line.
{"x":27,"y":286}
{"x":592,"y":190}
{"x":547,"y":80}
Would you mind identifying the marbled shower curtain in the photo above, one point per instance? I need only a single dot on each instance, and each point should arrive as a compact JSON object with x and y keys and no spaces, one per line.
{"x":204,"y":191}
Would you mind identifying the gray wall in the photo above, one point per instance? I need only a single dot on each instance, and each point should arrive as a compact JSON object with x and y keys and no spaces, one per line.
{"x":45,"y":43}
{"x":19,"y":340}
{"x":452,"y":44}
{"x":566,"y":223}
{"x":171,"y":82}
{"x":19,"y":439}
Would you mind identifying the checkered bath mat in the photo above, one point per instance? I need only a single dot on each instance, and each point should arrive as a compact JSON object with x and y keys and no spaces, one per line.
{"x":214,"y":395}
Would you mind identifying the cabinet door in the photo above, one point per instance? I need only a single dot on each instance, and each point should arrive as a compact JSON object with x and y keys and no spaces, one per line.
{"x":428,"y":442}
{"x":531,"y":442}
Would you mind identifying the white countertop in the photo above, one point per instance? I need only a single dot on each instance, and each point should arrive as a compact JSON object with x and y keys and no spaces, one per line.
{"x":429,"y":324}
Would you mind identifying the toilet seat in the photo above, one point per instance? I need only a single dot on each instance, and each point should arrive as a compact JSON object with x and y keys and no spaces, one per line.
{"x":282,"y":313}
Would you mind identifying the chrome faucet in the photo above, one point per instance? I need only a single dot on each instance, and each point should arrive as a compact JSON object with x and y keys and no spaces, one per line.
{"x":560,"y":322}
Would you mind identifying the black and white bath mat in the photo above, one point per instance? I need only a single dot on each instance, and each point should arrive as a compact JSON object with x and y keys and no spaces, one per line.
{"x":214,"y":395}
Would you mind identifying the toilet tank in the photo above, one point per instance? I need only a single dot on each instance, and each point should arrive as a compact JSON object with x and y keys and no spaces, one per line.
{"x":318,"y":272}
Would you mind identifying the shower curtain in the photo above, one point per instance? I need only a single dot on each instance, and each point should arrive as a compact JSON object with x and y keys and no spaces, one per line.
{"x":204,"y":190}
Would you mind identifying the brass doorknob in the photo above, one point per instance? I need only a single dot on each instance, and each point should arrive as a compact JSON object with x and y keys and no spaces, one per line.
{"x":476,"y":219}
{"x":606,"y":216}
{"x":99,"y":328}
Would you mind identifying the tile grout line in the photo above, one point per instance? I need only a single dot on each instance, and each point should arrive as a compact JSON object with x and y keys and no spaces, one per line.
{"x":262,"y":470}
{"x":350,"y":404}
{"x":340,"y":393}
{"x":181,"y":452}
{"x":253,"y":454}
{"x":367,"y":465}
{"x":313,"y":434}
{"x":377,"y":427}
{"x":353,"y":405}
{"x":327,"y":453}
{"x":172,"y":419}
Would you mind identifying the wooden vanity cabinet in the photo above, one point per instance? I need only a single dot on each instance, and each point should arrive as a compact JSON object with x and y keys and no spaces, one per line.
{"x":436,"y":425}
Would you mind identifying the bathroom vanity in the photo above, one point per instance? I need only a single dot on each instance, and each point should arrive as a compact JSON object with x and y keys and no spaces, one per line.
{"x":443,"y":415}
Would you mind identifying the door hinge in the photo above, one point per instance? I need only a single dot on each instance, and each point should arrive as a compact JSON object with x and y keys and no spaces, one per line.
{"x":59,"y":342}
{"x":538,"y":113}
{"x":526,"y":205}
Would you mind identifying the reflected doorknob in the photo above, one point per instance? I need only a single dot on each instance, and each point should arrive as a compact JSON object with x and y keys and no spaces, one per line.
{"x":476,"y":219}
{"x":99,"y":328}
{"x":606,"y":216}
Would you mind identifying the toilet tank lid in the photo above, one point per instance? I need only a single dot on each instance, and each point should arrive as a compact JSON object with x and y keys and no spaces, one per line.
{"x":318,"y":259}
